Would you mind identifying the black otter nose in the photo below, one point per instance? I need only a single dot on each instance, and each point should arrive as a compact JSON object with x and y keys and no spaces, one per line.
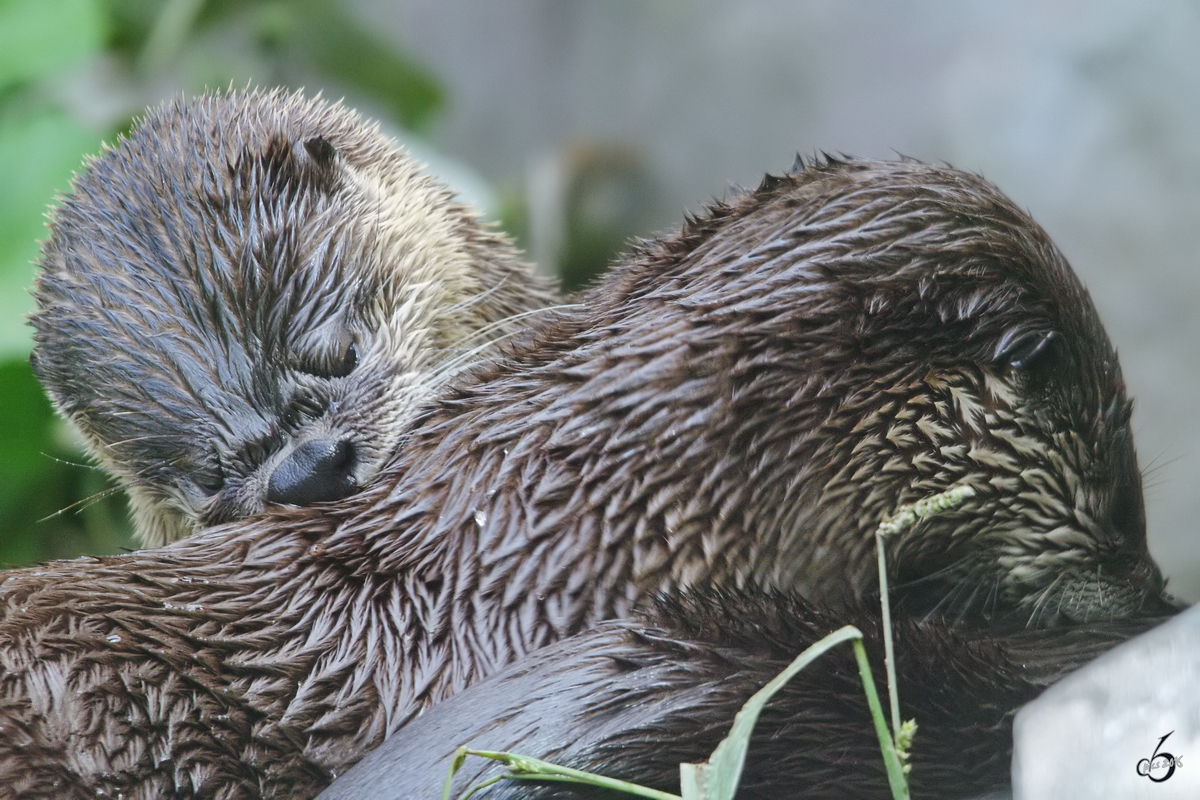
{"x":317,"y":470}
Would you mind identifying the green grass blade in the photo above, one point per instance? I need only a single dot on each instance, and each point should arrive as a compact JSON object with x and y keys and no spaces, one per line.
{"x":718,"y":777}
{"x":691,"y":781}
{"x":528,"y":768}
{"x":889,"y":655}
{"x":891,"y":761}
{"x":456,"y":762}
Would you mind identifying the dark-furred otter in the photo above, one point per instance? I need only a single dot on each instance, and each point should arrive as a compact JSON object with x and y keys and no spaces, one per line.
{"x":740,"y":403}
{"x":247,"y":300}
{"x":632,"y":699}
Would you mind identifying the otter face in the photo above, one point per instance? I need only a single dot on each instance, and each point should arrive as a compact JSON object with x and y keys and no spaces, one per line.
{"x":1055,"y":529}
{"x":245,"y":302}
{"x":935,"y":337}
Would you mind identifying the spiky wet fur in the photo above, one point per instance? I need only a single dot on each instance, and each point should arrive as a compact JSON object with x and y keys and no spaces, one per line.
{"x":204,"y":276}
{"x":632,"y":699}
{"x":740,"y":403}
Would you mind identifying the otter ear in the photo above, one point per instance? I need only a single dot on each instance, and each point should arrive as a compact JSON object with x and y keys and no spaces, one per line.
{"x":1020,"y":350}
{"x":318,"y":160}
{"x":321,"y":150}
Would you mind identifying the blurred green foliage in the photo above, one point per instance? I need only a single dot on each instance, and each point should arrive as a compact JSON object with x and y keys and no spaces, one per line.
{"x":607,"y":195}
{"x":38,"y":37}
{"x":126,"y":54}
{"x":40,"y":146}
{"x":51,"y":506}
{"x":74,"y":73}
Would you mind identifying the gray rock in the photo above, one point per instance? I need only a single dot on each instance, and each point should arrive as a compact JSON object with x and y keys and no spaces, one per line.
{"x":1094,"y":733}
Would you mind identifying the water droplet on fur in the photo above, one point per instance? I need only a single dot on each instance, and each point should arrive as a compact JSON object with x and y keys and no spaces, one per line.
{"x":480,"y":517}
{"x":113,"y":638}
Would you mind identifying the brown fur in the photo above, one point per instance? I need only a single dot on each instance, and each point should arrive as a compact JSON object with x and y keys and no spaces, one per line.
{"x":248,"y":273}
{"x":633,"y":699}
{"x":741,"y":403}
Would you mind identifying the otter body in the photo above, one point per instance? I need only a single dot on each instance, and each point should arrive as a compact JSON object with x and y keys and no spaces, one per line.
{"x":740,"y":403}
{"x":246,"y":301}
{"x":632,"y":699}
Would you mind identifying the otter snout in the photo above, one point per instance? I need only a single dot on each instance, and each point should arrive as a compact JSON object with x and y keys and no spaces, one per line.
{"x":319,"y":469}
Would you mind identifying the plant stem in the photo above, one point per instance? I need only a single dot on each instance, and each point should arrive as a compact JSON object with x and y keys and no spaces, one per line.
{"x":889,"y":653}
{"x":891,"y":761}
{"x":528,"y":768}
{"x":896,"y":523}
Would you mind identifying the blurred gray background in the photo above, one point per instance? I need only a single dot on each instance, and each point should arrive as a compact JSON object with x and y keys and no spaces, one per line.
{"x":580,"y":123}
{"x":1086,"y":113}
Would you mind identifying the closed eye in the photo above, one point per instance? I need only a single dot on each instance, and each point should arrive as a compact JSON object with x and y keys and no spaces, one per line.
{"x":343,"y":361}
{"x":1023,"y":350}
{"x":210,"y":479}
{"x":347,"y":363}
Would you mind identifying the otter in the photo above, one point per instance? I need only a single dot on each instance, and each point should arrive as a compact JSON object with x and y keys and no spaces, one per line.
{"x":632,"y":699}
{"x":246,"y":300}
{"x":739,"y":403}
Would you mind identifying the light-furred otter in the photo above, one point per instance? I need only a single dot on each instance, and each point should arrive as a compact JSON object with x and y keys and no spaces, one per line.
{"x":246,"y":301}
{"x":632,"y":699}
{"x":739,"y":403}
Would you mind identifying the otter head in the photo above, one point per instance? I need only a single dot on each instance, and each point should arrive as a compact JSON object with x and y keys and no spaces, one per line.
{"x":857,"y":336}
{"x":243,"y":302}
{"x":936,"y":337}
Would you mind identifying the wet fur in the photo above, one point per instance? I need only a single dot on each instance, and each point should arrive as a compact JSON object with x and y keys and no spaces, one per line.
{"x":739,"y":403}
{"x":633,"y":699}
{"x":205,"y":276}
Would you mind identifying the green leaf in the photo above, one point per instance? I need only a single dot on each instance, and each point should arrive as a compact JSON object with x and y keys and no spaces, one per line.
{"x":717,"y":779}
{"x":887,"y":746}
{"x":24,"y":428}
{"x":41,"y":476}
{"x":38,"y":154}
{"x":345,"y":51}
{"x":38,"y":37}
